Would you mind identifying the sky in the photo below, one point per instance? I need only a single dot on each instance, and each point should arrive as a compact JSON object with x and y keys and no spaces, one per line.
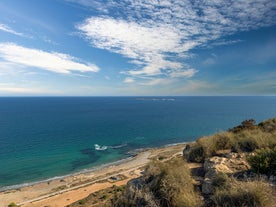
{"x":137,"y":47}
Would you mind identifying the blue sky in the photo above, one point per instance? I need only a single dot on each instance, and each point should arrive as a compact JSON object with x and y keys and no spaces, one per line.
{"x":141,"y":47}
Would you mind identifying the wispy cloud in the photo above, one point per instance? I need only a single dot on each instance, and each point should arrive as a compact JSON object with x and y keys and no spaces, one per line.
{"x":158,"y":35}
{"x":134,"y":41}
{"x":51,"y":61}
{"x":6,"y":28}
{"x":129,"y":80}
{"x":18,"y":90}
{"x":186,"y":73}
{"x":13,"y":90}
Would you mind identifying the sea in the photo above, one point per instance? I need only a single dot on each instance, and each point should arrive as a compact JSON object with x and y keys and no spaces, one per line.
{"x":48,"y":137}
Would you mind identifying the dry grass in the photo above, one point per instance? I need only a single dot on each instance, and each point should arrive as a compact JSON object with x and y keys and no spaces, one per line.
{"x":249,"y":141}
{"x":172,"y":184}
{"x":254,"y":193}
{"x":166,"y":184}
{"x":243,"y":140}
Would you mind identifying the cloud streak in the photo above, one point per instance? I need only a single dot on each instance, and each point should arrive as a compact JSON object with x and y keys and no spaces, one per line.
{"x":158,"y":35}
{"x":51,"y":61}
{"x":6,"y":28}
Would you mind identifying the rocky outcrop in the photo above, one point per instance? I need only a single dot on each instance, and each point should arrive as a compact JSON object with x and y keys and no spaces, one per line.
{"x":229,"y":164}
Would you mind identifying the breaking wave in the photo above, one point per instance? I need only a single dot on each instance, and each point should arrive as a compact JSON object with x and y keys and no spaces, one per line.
{"x":104,"y":147}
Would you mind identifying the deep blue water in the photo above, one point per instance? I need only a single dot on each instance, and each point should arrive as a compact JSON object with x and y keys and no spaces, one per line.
{"x":52,"y":136}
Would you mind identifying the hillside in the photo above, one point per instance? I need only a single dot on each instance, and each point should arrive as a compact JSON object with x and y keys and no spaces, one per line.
{"x":232,"y":168}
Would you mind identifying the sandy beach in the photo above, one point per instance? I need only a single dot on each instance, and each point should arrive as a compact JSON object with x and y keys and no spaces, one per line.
{"x":62,"y":192}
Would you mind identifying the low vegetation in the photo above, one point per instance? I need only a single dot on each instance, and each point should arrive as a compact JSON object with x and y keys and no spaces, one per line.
{"x":12,"y":205}
{"x":263,"y":161}
{"x":163,"y":184}
{"x":246,"y":137}
{"x":253,"y":193}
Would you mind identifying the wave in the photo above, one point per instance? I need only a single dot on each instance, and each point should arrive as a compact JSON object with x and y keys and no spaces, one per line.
{"x":117,"y":146}
{"x":99,"y":147}
{"x":104,"y":147}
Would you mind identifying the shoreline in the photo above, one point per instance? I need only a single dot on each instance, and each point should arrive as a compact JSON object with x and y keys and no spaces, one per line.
{"x":129,"y":157}
{"x":30,"y":194}
{"x":84,"y":171}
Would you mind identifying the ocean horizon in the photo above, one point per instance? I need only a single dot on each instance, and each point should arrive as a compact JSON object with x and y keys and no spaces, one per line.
{"x":46,"y":137}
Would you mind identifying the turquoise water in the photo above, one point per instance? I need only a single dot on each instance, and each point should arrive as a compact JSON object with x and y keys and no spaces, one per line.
{"x":53,"y":136}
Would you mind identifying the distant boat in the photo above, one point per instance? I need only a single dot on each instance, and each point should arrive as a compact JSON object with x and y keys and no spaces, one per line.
{"x":98,"y":147}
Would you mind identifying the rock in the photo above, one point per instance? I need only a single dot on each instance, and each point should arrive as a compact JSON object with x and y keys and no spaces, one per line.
{"x":214,"y":165}
{"x":207,"y":187}
{"x":186,"y":150}
{"x":231,"y":164}
{"x":272,"y":178}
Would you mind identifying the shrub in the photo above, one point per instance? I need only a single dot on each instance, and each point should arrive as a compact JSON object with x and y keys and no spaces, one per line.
{"x":105,"y":196}
{"x":196,"y":154}
{"x":212,"y":144}
{"x":268,"y":125}
{"x":249,"y":141}
{"x":81,"y":202}
{"x":221,"y":181}
{"x":12,"y":205}
{"x":166,"y":184}
{"x":255,"y":193}
{"x":245,"y":125}
{"x":263,"y":161}
{"x":222,"y":141}
{"x":173,"y":185}
{"x":246,"y":144}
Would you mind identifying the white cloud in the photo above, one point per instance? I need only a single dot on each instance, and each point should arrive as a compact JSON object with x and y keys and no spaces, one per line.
{"x":145,"y":45}
{"x":129,"y":38}
{"x":51,"y":61}
{"x":184,"y":73}
{"x":158,"y":35}
{"x":6,"y":28}
{"x":129,"y":80}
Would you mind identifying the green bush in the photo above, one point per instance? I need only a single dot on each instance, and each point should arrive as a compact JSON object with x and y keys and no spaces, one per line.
{"x":81,"y":202}
{"x":12,"y":205}
{"x":263,"y":161}
{"x":105,"y":196}
{"x":196,"y":154}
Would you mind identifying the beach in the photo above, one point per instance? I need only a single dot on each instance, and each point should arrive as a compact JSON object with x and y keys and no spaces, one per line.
{"x":68,"y":189}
